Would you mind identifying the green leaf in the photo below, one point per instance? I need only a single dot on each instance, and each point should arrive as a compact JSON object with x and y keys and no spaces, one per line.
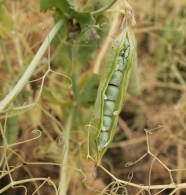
{"x":77,"y":52}
{"x":54,"y":96}
{"x":12,"y":129}
{"x":84,"y":18}
{"x":88,"y":92}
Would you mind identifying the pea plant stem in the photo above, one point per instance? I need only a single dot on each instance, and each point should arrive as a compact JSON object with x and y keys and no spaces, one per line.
{"x":64,"y":160}
{"x":27,"y":74}
{"x":7,"y":61}
{"x":104,"y":8}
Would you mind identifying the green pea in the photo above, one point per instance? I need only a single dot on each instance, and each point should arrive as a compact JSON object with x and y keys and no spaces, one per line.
{"x":120,"y":60}
{"x":109,"y":107}
{"x":122,"y":52}
{"x":124,"y":62}
{"x":116,"y":78}
{"x":107,"y":123}
{"x":103,"y":139}
{"x":112,"y":92}
{"x":126,"y":44}
{"x":127,"y":52}
{"x":121,"y":64}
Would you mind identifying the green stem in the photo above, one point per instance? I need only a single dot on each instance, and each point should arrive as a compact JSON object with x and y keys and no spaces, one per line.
{"x":24,"y":79}
{"x":63,"y":174}
{"x":99,"y":11}
{"x":5,"y":145}
{"x":6,"y":59}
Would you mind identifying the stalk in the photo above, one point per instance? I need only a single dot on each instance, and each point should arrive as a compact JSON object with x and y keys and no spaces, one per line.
{"x":29,"y":71}
{"x":104,"y":8}
{"x":64,"y":161}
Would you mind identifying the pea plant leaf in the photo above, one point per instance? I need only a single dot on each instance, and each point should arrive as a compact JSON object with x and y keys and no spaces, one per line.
{"x":12,"y":129}
{"x":84,"y":18}
{"x":88,"y":92}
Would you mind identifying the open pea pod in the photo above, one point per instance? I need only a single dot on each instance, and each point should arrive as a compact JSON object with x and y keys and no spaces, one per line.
{"x":111,"y":92}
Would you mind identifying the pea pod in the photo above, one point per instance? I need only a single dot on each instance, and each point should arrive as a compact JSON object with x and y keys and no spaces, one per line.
{"x":111,"y":92}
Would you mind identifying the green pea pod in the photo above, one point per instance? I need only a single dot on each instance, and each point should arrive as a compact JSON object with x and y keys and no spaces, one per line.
{"x":134,"y":81}
{"x":120,"y":58}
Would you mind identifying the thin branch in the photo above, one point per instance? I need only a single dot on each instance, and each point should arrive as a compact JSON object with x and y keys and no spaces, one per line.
{"x":99,"y":11}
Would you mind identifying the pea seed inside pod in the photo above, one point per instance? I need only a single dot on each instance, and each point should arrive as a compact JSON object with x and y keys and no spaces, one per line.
{"x":122,"y":52}
{"x":116,"y":78}
{"x":103,"y":139}
{"x":126,"y":44}
{"x":127,"y":52}
{"x":107,"y":123}
{"x":122,"y":62}
{"x":112,"y":92}
{"x":109,"y":107}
